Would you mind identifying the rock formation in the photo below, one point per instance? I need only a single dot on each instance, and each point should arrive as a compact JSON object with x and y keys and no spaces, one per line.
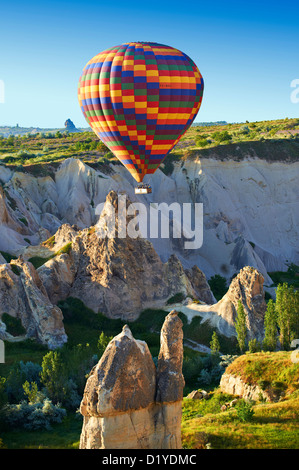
{"x":119,"y":277}
{"x":250,"y":208}
{"x":70,"y":126}
{"x":127,"y":403}
{"x":22,"y":295}
{"x":247,"y":286}
{"x":234,"y":385}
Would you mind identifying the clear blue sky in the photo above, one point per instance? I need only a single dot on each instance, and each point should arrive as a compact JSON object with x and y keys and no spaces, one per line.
{"x":248,"y":53}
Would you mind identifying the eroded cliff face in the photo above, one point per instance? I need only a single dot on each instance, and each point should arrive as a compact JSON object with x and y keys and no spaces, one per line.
{"x":22,"y":295}
{"x":250,"y":209}
{"x":234,"y":385}
{"x":247,"y":287}
{"x":119,"y":277}
{"x":249,"y":206}
{"x":127,"y":402}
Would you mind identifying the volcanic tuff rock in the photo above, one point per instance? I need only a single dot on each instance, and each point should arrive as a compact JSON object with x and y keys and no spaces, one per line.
{"x":234,"y":385}
{"x":22,"y":295}
{"x":70,"y":126}
{"x":127,"y":403}
{"x":250,"y":208}
{"x":119,"y":277}
{"x":170,"y":382}
{"x":247,"y":286}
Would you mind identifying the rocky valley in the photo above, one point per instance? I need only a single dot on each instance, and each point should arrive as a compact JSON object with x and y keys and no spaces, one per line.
{"x":95,"y":304}
{"x":49,"y":235}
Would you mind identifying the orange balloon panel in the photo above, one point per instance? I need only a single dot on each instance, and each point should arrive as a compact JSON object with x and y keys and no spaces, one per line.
{"x":140,"y":98}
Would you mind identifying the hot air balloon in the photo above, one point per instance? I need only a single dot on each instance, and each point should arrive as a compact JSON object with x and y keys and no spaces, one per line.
{"x":140,"y":98}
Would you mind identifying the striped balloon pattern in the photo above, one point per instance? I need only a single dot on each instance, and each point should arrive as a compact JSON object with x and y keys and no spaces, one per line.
{"x":140,"y":98}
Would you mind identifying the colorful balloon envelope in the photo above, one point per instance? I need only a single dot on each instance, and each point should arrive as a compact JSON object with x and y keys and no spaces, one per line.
{"x":140,"y":98}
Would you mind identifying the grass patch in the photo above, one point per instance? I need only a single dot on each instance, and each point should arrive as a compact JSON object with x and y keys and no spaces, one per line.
{"x":38,"y":261}
{"x":39,"y":154}
{"x":50,"y":242}
{"x":273,"y":426}
{"x":291,"y":276}
{"x":267,"y":369}
{"x":62,"y":436}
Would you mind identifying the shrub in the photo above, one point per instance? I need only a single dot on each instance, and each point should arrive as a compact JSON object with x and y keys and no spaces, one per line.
{"x":191,"y":368}
{"x":18,"y":375}
{"x":204,"y":377}
{"x":24,"y":154}
{"x":24,"y":221}
{"x":33,"y":416}
{"x":53,"y":375}
{"x":245,"y":411}
{"x":221,"y":136}
{"x":244,"y":130}
{"x":200,"y":142}
{"x":254,"y":346}
{"x":103,"y":342}
{"x":59,"y":387}
{"x":3,"y":395}
{"x":226,"y":360}
{"x":32,"y":392}
{"x":263,"y":384}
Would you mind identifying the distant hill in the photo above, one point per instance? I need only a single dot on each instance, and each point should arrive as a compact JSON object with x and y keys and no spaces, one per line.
{"x":6,"y":131}
{"x":208,"y":124}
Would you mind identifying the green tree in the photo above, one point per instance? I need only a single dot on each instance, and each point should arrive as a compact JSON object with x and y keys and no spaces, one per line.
{"x":214,"y":344}
{"x":3,"y":395}
{"x":101,"y":147}
{"x":201,"y":142}
{"x":287,"y":311}
{"x":221,"y":136}
{"x":103,"y":342}
{"x":241,"y":328}
{"x":270,"y":327}
{"x":31,"y":390}
{"x":253,"y":346}
{"x":53,"y":376}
